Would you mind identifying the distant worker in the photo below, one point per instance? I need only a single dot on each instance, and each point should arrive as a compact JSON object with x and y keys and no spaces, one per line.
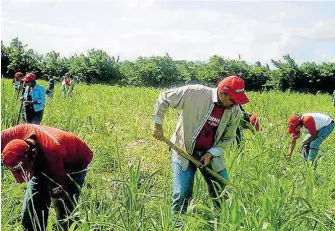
{"x":51,"y":86}
{"x":248,"y":121}
{"x":17,"y":81}
{"x":65,"y":84}
{"x":72,"y":83}
{"x":33,"y":100}
{"x":317,"y":126}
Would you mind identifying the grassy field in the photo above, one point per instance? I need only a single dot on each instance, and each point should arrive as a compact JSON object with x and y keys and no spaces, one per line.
{"x":129,"y":184}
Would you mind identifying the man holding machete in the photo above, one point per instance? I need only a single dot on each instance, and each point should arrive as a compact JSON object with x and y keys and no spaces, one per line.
{"x":207,"y":125}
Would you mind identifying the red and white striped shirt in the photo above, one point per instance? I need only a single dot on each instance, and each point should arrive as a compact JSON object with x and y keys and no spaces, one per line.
{"x":313,"y":122}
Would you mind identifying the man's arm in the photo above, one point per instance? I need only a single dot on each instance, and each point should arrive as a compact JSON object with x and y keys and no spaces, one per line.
{"x":42,"y":96}
{"x":292,"y":144}
{"x":174,"y":98}
{"x":310,"y":139}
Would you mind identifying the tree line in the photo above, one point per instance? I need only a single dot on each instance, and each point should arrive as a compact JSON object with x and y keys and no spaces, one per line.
{"x":96,"y":66}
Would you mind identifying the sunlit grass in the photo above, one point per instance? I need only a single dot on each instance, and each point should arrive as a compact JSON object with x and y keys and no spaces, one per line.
{"x":129,"y":184}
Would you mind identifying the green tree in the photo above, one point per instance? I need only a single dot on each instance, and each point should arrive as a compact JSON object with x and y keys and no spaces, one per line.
{"x":5,"y":51}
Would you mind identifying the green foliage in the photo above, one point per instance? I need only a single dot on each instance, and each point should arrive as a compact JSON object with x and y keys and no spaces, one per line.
{"x":129,"y":184}
{"x":96,"y":66}
{"x":154,"y":71}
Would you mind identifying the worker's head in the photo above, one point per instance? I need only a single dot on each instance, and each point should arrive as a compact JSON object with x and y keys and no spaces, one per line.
{"x":294,"y":124}
{"x":231,"y":91}
{"x":18,"y":75}
{"x":19,"y":157}
{"x":30,"y":79}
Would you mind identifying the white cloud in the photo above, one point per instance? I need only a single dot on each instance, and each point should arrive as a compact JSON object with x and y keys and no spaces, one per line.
{"x":145,"y":28}
{"x":320,"y":30}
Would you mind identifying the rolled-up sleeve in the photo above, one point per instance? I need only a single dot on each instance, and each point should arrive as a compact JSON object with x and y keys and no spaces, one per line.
{"x":41,"y":92}
{"x":174,"y":98}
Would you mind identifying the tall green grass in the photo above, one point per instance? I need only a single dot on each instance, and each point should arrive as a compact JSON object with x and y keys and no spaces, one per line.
{"x":129,"y":187}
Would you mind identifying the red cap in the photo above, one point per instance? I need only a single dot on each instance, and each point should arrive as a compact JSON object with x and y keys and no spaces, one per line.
{"x":29,"y":77}
{"x":18,"y":74}
{"x":14,"y":158}
{"x":292,"y":123}
{"x":233,"y":86}
{"x":254,"y":121}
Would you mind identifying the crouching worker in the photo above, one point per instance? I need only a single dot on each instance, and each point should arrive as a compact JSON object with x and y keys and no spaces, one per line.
{"x":317,"y":126}
{"x":207,"y":125}
{"x":54,"y":163}
{"x":248,"y":121}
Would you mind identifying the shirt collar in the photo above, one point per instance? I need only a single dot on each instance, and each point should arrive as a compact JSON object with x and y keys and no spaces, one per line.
{"x":215,"y":95}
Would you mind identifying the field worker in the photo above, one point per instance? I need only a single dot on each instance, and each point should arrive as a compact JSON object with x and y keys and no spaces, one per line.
{"x":248,"y":121}
{"x":54,"y":163}
{"x":317,"y":126}
{"x":51,"y":86}
{"x":72,"y":83}
{"x":17,"y":81}
{"x":65,"y":84}
{"x":207,"y":125}
{"x":33,"y":100}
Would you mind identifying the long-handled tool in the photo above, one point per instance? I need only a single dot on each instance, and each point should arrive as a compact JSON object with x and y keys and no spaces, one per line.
{"x":195,"y":161}
{"x":19,"y":116}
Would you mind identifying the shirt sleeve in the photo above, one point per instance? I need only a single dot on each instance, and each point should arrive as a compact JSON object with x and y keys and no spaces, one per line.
{"x":309,"y":124}
{"x":174,"y":98}
{"x":42,"y":95}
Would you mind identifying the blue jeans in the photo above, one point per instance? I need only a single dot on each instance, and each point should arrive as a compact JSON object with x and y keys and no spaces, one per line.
{"x":310,"y":151}
{"x":183,"y":186}
{"x":36,"y":205}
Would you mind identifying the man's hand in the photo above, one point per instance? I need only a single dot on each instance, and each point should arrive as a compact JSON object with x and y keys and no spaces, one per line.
{"x":206,"y":159}
{"x":28,"y":102}
{"x":158,"y":132}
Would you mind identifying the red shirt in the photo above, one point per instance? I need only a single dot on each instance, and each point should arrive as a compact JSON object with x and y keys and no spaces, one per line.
{"x":205,"y":139}
{"x":308,"y":124}
{"x":60,"y":152}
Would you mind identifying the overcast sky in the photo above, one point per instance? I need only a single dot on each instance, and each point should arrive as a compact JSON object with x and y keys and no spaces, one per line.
{"x":191,"y":30}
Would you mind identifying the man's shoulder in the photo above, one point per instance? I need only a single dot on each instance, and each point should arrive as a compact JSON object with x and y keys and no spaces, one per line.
{"x":39,"y":86}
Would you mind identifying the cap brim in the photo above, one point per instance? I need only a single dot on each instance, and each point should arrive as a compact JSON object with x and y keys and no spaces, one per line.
{"x":239,"y":98}
{"x":291,"y":130}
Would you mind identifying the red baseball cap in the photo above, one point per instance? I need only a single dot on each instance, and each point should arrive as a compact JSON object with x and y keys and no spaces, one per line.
{"x":233,"y":86}
{"x":18,"y":74}
{"x":29,"y":77}
{"x":15,"y":158}
{"x":292,"y":123}
{"x":254,"y":121}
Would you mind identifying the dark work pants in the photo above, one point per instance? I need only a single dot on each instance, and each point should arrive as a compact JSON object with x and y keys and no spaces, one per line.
{"x":36,"y":205}
{"x":33,"y":117}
